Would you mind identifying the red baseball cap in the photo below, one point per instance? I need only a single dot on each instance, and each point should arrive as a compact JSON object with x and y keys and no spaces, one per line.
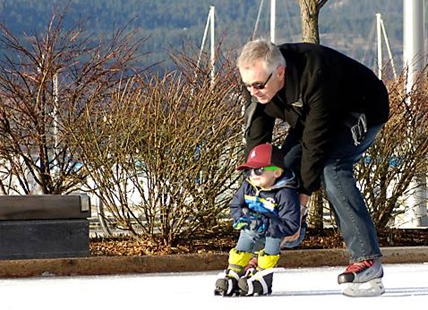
{"x":263,"y":155}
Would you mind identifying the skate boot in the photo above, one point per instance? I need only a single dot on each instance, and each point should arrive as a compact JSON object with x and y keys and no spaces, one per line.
{"x":258,"y":281}
{"x":362,"y":279}
{"x":227,"y":283}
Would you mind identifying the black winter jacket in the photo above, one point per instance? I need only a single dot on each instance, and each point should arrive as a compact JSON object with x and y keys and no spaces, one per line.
{"x":281,"y":199}
{"x":322,"y":87}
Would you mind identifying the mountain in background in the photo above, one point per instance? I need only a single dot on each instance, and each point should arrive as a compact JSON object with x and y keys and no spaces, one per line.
{"x":346,"y":25}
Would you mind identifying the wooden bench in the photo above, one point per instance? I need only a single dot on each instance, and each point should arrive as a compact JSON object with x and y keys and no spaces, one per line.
{"x":44,"y":226}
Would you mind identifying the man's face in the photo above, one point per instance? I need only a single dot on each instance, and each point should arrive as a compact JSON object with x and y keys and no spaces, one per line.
{"x":261,"y":84}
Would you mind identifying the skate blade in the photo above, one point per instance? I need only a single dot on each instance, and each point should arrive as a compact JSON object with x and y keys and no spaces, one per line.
{"x":223,"y":293}
{"x":371,"y":288}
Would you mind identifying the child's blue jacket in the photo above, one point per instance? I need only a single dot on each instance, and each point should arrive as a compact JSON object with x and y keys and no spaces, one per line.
{"x":280,"y":204}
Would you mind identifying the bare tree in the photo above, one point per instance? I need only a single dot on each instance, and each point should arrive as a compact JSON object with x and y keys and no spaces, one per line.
{"x":309,"y":12}
{"x":43,"y":80}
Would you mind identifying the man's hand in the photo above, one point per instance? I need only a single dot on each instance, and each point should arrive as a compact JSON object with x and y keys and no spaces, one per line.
{"x":303,"y":213}
{"x":293,"y":237}
{"x":304,"y":199}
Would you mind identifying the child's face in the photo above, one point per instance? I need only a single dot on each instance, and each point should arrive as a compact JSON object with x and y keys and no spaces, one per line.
{"x":263,"y":178}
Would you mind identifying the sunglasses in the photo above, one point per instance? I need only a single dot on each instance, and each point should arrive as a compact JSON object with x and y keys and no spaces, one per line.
{"x":259,"y":85}
{"x":259,"y":171}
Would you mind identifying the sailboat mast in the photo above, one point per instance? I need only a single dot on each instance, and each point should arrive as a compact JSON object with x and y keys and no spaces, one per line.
{"x":212,"y":14}
{"x":379,"y":46}
{"x":272,"y":20}
{"x":413,"y":41}
{"x":414,"y":61}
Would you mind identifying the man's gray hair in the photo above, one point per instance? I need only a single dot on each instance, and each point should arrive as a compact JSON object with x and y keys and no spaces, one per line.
{"x":261,"y":49}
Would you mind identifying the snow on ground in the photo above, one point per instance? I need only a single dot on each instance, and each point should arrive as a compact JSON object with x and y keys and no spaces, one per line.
{"x":304,"y":288}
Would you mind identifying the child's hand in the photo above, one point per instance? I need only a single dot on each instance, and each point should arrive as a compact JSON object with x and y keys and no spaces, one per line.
{"x":257,"y":223}
{"x":242,"y":222}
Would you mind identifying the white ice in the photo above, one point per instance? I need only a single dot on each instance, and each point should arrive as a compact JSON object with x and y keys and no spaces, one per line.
{"x":303,"y":288}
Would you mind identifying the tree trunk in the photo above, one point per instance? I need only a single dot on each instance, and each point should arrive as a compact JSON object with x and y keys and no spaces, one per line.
{"x":316,"y":211}
{"x":309,"y":11}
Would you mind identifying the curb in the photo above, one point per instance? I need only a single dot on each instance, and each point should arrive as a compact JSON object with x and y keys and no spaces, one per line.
{"x":114,"y":265}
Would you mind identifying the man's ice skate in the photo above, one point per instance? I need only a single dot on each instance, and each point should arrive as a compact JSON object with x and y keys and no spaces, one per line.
{"x":227,"y":284}
{"x":362,"y":279}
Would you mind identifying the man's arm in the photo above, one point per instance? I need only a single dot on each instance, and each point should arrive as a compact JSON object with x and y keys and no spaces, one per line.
{"x":318,"y":130}
{"x":258,"y":126}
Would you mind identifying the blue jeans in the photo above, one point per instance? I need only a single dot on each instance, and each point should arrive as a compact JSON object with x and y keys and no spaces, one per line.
{"x":250,"y":241}
{"x":352,"y":216}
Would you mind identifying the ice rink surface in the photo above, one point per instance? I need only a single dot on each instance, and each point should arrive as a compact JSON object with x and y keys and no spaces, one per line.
{"x":304,"y":288}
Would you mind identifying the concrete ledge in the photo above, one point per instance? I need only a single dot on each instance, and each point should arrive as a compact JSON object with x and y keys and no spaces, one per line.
{"x":42,"y":239}
{"x":44,"y":226}
{"x":188,"y":262}
{"x":340,"y":257}
{"x":44,"y":207}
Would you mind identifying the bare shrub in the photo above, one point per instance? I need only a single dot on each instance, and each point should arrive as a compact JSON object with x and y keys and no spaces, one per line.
{"x":398,"y":157}
{"x":399,"y":154}
{"x":163,"y":151}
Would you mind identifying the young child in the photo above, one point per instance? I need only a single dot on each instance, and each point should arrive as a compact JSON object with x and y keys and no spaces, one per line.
{"x":266,"y":210}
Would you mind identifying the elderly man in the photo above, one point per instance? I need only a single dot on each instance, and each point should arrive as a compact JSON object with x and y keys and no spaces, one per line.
{"x":335,"y":107}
